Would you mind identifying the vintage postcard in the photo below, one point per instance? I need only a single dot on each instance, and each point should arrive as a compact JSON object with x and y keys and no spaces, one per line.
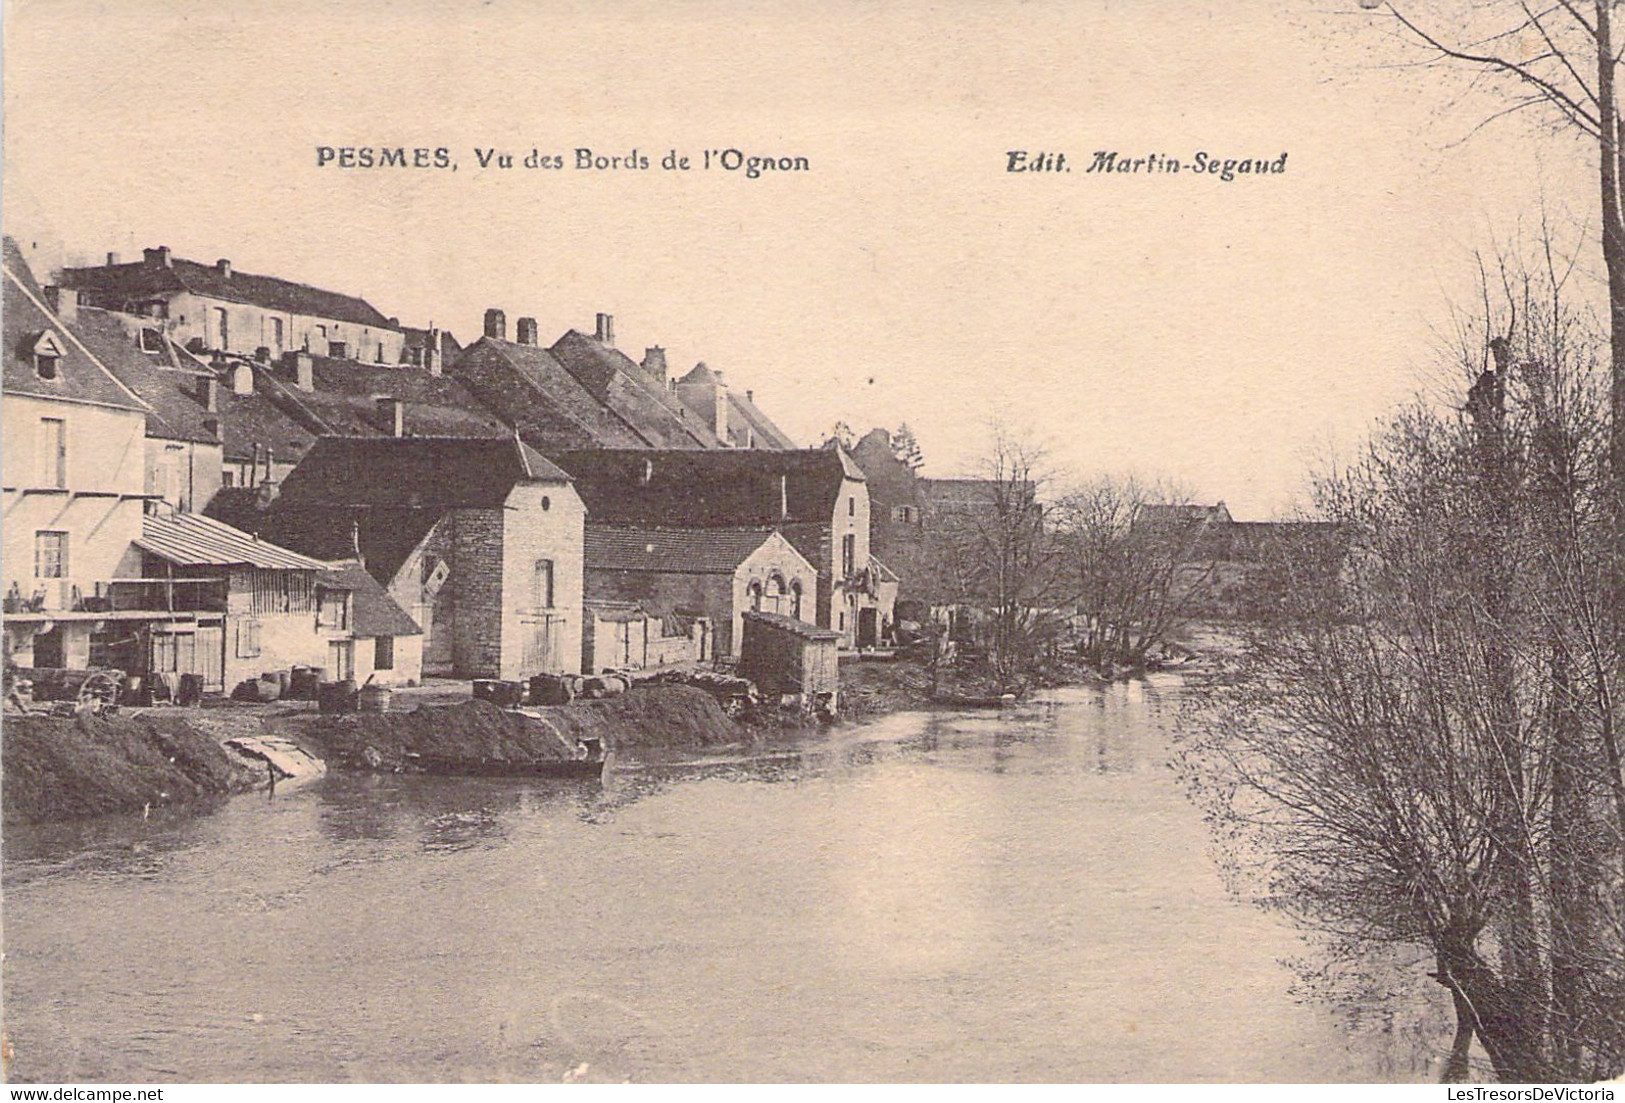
{"x":1004,"y":541}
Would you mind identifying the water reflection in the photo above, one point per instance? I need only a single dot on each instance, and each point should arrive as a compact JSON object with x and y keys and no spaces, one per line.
{"x":1019,"y":893}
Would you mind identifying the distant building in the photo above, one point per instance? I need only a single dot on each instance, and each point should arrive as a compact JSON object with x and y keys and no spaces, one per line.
{"x":479,"y":539}
{"x":716,"y":573}
{"x":214,"y":308}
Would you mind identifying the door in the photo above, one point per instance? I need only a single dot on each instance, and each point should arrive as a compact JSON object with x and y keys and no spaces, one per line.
{"x":211,"y":656}
{"x":341,"y":659}
{"x":869,"y":627}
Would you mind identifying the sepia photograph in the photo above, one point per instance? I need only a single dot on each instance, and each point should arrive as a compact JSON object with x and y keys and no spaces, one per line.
{"x":991,"y":542}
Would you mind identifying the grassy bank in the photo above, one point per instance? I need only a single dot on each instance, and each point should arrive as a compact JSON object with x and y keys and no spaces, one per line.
{"x":59,"y":768}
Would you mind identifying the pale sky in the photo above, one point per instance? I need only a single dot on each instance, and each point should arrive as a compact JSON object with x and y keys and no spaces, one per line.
{"x":1174,"y":325}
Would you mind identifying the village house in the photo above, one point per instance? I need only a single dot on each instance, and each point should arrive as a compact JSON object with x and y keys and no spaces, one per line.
{"x":816,"y":498}
{"x":235,"y":607}
{"x":736,"y":421}
{"x":74,"y":477}
{"x":717,"y":574}
{"x":184,"y":459}
{"x":479,"y":539}
{"x":214,"y":308}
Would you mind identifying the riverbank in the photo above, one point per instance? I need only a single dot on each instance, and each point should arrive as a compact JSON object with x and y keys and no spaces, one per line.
{"x":63,"y":768}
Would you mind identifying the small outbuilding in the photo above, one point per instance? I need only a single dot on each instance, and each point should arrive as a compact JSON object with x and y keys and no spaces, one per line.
{"x":786,"y":657}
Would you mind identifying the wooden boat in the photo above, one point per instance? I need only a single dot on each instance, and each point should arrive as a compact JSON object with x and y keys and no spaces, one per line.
{"x":562,"y":768}
{"x":968,"y":702}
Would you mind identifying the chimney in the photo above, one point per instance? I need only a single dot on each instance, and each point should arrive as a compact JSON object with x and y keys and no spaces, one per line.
{"x":393,"y":413}
{"x":750,"y":396}
{"x":65,"y":302}
{"x":211,"y":425}
{"x":208,"y":393}
{"x":223,"y":266}
{"x":242,"y":379}
{"x":431,"y":351}
{"x":654,"y":362}
{"x":525,"y":331}
{"x":158,"y":257}
{"x":496,"y":325}
{"x":304,"y":372}
{"x":606,"y":329}
{"x":720,"y":426}
{"x":784,"y":497}
{"x":254,"y":465}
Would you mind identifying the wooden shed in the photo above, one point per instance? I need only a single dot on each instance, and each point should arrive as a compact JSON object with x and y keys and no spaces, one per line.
{"x":789,"y":657}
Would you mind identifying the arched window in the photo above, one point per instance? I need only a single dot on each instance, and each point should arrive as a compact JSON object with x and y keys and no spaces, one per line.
{"x":753,"y":592}
{"x":774,"y":602}
{"x":795,"y":599}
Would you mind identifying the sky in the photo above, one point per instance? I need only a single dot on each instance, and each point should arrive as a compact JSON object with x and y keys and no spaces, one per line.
{"x":1224,"y":336}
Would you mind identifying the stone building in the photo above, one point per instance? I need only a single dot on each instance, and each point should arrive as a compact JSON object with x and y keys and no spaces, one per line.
{"x":816,"y":498}
{"x":479,"y":539}
{"x":715,"y":573}
{"x":215,"y":308}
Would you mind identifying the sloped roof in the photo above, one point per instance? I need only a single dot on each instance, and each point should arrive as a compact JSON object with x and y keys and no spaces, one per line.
{"x":166,"y":382}
{"x":80,"y":375}
{"x":764,"y":426}
{"x":724,"y":488}
{"x":529,"y":389}
{"x":1167,"y":513}
{"x":372,"y":611}
{"x":193,"y":540}
{"x":962,"y":492}
{"x":144,"y":279}
{"x":347,"y":393}
{"x":673,"y":551}
{"x":793,"y":626}
{"x":382,"y":495}
{"x":618,"y":381}
{"x":253,"y":419}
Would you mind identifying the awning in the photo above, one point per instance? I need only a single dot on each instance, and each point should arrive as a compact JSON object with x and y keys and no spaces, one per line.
{"x":193,"y":540}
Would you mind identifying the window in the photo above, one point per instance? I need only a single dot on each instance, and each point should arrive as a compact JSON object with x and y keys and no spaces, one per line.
{"x":276,"y":336}
{"x":47,"y":355}
{"x":753,"y":592}
{"x":852,"y":507}
{"x":773,"y":601}
{"x":332,"y":611}
{"x":849,"y":553}
{"x":222,"y":327}
{"x":795,"y":599}
{"x":542,"y":584}
{"x":228,"y":477}
{"x":248,"y":639}
{"x":50,"y":554}
{"x":53,"y":452}
{"x":903,"y":514}
{"x":174,"y":652}
{"x":383,"y":655}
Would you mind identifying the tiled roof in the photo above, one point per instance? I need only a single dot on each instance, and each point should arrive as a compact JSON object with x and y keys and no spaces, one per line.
{"x":372,"y":611}
{"x":193,"y":540}
{"x":80,"y":376}
{"x":711,"y":489}
{"x":529,"y":389}
{"x":146,"y":279}
{"x":616,"y":380}
{"x":347,"y":393}
{"x":168,"y":381}
{"x":672,"y":551}
{"x":384,"y":494}
{"x":766,"y":430}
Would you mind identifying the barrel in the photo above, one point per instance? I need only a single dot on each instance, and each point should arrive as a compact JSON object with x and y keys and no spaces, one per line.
{"x":337,"y":696}
{"x":191,"y":691}
{"x":373,"y":698}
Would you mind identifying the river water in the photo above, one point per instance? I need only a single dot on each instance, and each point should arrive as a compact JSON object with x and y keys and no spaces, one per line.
{"x":1017,"y":895}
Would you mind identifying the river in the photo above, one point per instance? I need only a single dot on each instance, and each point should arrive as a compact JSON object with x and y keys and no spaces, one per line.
{"x":1020,"y":895}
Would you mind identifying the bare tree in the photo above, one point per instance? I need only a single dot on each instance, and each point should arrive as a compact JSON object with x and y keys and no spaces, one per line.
{"x":1421,"y":750}
{"x":1134,"y":577}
